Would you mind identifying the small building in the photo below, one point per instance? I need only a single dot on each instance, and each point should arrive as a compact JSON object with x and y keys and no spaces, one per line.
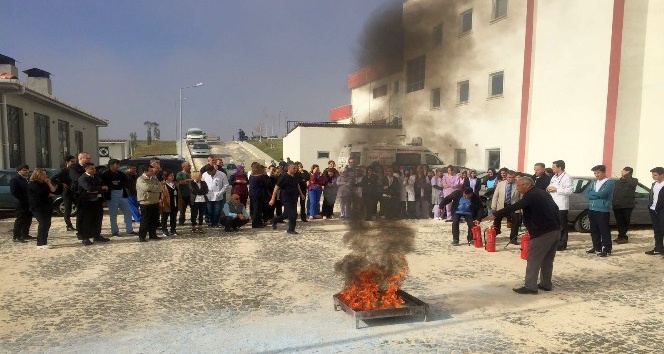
{"x":112,"y":149}
{"x":38,"y":129}
{"x":317,"y":143}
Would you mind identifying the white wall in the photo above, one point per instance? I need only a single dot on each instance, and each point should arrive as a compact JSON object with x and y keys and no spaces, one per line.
{"x":367,"y":109}
{"x":571,"y":48}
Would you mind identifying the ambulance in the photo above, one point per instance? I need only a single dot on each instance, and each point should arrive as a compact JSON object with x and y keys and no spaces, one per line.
{"x":383,"y":154}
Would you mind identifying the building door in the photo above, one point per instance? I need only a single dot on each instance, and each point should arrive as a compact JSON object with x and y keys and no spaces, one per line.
{"x":63,"y":139}
{"x":14,"y":122}
{"x":42,"y":140}
{"x":493,"y":158}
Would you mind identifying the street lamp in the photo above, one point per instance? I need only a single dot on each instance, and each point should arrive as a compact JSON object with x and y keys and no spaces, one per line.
{"x":180,"y":124}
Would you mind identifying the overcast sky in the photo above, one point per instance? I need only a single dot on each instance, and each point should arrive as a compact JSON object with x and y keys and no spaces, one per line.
{"x":125,"y":60}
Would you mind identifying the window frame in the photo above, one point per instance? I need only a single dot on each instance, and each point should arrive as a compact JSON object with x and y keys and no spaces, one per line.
{"x":417,"y":84}
{"x":323,"y":155}
{"x":494,"y":11}
{"x":491,"y":76}
{"x":461,"y":22}
{"x":432,"y":98}
{"x":459,"y":84}
{"x":437,"y":35}
{"x":380,"y":91}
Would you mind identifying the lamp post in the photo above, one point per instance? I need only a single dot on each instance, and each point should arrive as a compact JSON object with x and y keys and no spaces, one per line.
{"x":180,"y":123}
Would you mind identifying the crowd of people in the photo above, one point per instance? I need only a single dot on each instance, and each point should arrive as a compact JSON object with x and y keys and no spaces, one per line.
{"x":164,"y":200}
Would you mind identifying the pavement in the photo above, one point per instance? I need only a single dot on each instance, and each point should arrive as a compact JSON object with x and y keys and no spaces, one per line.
{"x":263,"y":291}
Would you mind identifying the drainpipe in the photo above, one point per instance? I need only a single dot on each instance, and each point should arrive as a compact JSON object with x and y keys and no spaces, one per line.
{"x":5,"y":126}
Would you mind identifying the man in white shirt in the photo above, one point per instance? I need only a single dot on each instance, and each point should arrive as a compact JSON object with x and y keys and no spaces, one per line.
{"x":656,"y":209}
{"x":560,"y":188}
{"x":217,"y":183}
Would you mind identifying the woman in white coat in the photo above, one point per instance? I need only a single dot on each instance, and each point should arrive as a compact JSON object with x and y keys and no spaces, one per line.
{"x":407,"y":180}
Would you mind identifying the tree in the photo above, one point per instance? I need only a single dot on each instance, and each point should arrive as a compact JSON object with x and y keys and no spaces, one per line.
{"x":157,"y":132}
{"x":133,"y":137}
{"x":148,"y":125}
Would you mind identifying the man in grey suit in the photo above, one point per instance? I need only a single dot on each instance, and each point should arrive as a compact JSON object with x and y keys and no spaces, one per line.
{"x":540,"y":215}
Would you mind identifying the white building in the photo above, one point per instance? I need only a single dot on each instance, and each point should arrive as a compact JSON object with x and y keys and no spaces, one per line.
{"x":511,"y":83}
{"x":112,"y":149}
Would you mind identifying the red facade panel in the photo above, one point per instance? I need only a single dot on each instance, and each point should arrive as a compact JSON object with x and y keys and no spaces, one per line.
{"x":341,"y":112}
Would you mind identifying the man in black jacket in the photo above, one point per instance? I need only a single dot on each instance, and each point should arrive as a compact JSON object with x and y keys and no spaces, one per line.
{"x":18,"y":188}
{"x":64,"y":184}
{"x":656,"y":209}
{"x":90,"y":202}
{"x":542,"y":180}
{"x":302,"y":176}
{"x":540,"y":215}
{"x":118,"y":185}
{"x":465,"y":204}
{"x":623,"y":203}
{"x":75,"y":171}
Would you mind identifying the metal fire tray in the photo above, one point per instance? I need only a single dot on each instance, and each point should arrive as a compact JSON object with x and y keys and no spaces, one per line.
{"x":412,"y":307}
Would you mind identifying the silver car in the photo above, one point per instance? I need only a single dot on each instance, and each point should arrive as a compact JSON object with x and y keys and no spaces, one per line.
{"x":578,"y":205}
{"x":200,"y":150}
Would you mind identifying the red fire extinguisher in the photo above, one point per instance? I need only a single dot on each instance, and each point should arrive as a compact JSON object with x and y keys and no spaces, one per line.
{"x":490,"y":239}
{"x":476,"y":231}
{"x":525,"y":243}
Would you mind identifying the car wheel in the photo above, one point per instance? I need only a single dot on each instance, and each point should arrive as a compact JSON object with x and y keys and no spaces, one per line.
{"x":582,"y":223}
{"x":60,"y":208}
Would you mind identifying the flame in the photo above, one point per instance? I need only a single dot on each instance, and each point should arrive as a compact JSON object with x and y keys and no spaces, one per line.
{"x":373,"y":290}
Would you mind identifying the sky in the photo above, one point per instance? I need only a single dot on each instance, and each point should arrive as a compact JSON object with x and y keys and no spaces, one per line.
{"x":261,"y":61}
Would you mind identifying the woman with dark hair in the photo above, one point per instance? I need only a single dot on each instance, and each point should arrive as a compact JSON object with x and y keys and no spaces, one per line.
{"x":168,"y":203}
{"x":199,"y":191}
{"x":314,"y":190}
{"x":329,"y":192}
{"x":239,"y":182}
{"x":40,"y":189}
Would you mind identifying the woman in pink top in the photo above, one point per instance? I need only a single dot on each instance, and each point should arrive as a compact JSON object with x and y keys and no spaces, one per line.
{"x":450,"y":184}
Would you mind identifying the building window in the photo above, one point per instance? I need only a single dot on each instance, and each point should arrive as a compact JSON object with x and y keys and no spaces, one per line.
{"x":78,"y":141}
{"x":496,"y":84}
{"x":437,"y":35}
{"x":63,"y":139}
{"x":42,"y":140}
{"x":493,"y":158}
{"x":466,"y":22}
{"x":460,"y":157}
{"x":499,"y":9}
{"x":463,"y":91}
{"x":15,"y":127}
{"x":435,"y":98}
{"x":380,"y":91}
{"x":324,"y":155}
{"x":415,"y":74}
{"x":396,"y":87}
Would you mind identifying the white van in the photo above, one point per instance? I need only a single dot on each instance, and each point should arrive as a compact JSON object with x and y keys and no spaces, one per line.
{"x":195,"y":134}
{"x":387,"y":154}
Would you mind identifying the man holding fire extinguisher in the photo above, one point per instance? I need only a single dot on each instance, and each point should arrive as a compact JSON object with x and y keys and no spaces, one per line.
{"x":540,"y":215}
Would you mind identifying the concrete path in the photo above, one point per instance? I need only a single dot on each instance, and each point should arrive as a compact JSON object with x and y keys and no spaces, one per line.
{"x":263,"y":291}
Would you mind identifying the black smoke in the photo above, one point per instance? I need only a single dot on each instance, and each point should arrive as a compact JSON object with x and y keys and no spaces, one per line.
{"x":382,"y":38}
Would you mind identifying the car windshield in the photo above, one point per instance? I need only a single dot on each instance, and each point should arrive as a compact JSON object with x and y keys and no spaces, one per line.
{"x":195,"y":132}
{"x":200,"y":146}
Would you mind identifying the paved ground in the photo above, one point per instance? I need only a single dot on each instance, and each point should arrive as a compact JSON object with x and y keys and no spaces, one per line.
{"x":263,"y":291}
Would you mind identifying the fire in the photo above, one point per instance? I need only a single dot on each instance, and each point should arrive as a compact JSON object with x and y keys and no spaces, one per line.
{"x":372,"y":289}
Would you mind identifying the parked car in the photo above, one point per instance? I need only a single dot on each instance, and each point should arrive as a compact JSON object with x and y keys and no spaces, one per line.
{"x":200,"y":150}
{"x":578,"y":205}
{"x":172,"y":163}
{"x":7,"y":202}
{"x":195,"y":134}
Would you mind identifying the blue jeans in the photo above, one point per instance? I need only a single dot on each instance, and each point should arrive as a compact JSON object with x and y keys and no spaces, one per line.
{"x":314,"y":202}
{"x":135,"y":209}
{"x":214,"y":211}
{"x":118,"y":202}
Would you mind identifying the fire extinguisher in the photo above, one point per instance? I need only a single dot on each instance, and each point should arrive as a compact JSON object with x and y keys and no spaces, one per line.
{"x":525,"y":243}
{"x":476,"y":231}
{"x":490,"y":239}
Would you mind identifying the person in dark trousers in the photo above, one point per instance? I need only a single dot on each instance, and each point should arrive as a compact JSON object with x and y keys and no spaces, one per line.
{"x":91,"y":205}
{"x":542,"y":180}
{"x":371,"y":188}
{"x":302,"y":177}
{"x":656,"y":209}
{"x":131,"y":193}
{"x":18,"y":188}
{"x":40,"y":190}
{"x":289,"y":188}
{"x":183,"y":179}
{"x":75,"y":171}
{"x":623,"y":203}
{"x":168,"y":204}
{"x":599,"y":194}
{"x":389,"y":202}
{"x":540,"y":215}
{"x":64,"y":184}
{"x":235,"y":214}
{"x":467,"y":205}
{"x":257,"y":193}
{"x":117,"y":197}
{"x":148,"y":189}
{"x":199,"y":191}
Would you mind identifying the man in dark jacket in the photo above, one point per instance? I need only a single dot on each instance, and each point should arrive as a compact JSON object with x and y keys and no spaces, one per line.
{"x":75,"y":171}
{"x":63,"y":182}
{"x":540,"y":215}
{"x":90,"y":201}
{"x":542,"y":180}
{"x":465,"y":204}
{"x":118,"y":185}
{"x":623,"y":203}
{"x":656,"y":209}
{"x":389,"y":202}
{"x":18,"y":188}
{"x":302,"y":176}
